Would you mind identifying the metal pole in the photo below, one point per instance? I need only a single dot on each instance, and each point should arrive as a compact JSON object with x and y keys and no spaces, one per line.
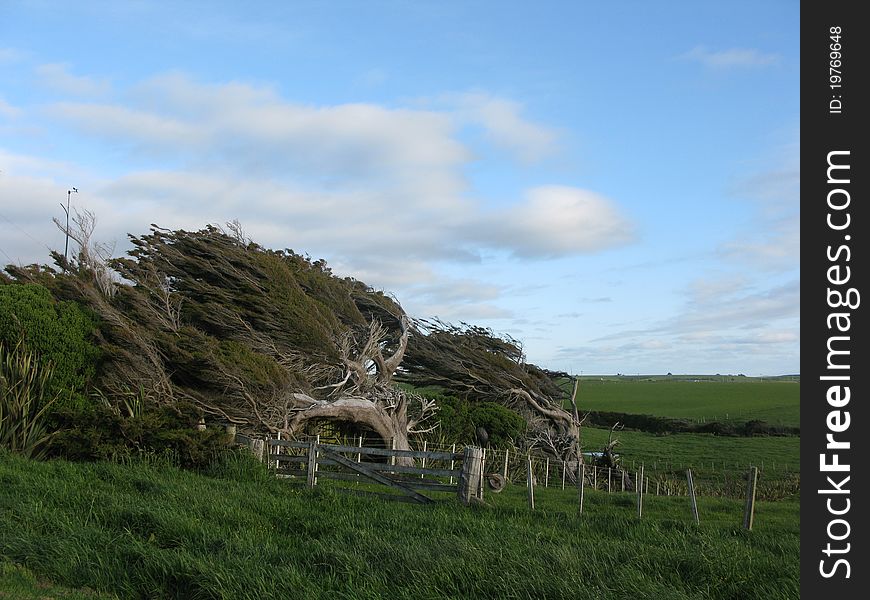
{"x":66,"y":231}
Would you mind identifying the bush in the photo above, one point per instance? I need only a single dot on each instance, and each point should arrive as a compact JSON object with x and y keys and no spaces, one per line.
{"x":459,"y":419}
{"x":57,"y":332}
{"x":99,"y":432}
{"x":503,"y":425}
{"x":25,"y":396}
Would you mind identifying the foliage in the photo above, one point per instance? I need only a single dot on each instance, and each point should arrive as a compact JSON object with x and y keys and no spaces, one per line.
{"x":236,"y":328}
{"x":667,"y":425}
{"x":459,"y":418}
{"x":59,"y":332}
{"x":474,"y":364}
{"x":25,"y":396}
{"x":141,"y":532}
{"x":99,"y":432}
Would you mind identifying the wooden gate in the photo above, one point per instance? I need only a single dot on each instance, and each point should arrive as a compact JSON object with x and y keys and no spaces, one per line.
{"x":312,"y":460}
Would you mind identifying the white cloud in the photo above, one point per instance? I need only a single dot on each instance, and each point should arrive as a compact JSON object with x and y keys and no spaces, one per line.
{"x":7,"y":110}
{"x":379,"y":192}
{"x":57,"y":76}
{"x":724,"y":323}
{"x":10,"y":55}
{"x":504,"y":126}
{"x":776,"y":248}
{"x":351,"y":177}
{"x":128,"y":126}
{"x":772,"y":242}
{"x":733,"y":58}
{"x":556,"y":221}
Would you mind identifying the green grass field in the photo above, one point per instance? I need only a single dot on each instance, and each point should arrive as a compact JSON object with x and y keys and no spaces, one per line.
{"x":144,"y":531}
{"x":699,"y":450}
{"x":712,"y":398}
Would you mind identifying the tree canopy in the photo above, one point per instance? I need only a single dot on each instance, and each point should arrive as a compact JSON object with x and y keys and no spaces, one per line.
{"x":271,"y":339}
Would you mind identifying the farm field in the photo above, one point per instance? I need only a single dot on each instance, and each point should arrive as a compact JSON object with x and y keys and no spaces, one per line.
{"x":697,"y":450}
{"x":711,"y":398}
{"x":153,"y":531}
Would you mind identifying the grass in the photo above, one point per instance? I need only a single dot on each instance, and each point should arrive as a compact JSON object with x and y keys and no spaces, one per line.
{"x":683,"y":450}
{"x":151,"y":531}
{"x":709,"y":398}
{"x":19,"y":583}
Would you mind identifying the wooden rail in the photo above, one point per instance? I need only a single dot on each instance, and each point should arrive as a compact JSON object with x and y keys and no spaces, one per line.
{"x":312,"y":460}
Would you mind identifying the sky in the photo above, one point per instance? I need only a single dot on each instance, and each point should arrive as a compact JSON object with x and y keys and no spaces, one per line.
{"x":614,"y":184}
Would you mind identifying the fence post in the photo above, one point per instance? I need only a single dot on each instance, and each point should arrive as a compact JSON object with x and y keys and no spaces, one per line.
{"x":506,"y":454}
{"x":749,"y":510}
{"x":694,"y":501}
{"x":359,"y":454}
{"x":316,"y":467}
{"x":452,"y":451}
{"x":469,"y":479}
{"x":563,"y":475}
{"x":424,"y":459}
{"x":393,"y":456}
{"x":312,"y":463}
{"x":582,"y":484}
{"x":608,"y":479}
{"x":547,"y":473}
{"x":623,"y":481}
{"x":256,"y":447}
{"x":277,"y":451}
{"x":639,"y":487}
{"x":530,"y":483}
{"x":594,"y":476}
{"x":482,"y":477}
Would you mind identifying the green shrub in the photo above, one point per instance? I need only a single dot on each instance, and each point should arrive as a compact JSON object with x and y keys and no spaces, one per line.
{"x":57,"y":332}
{"x":100,"y":432}
{"x":503,"y":425}
{"x":459,"y":418}
{"x":25,"y":396}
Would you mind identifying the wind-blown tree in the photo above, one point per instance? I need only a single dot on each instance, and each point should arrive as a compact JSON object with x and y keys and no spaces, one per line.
{"x":473,"y":363}
{"x":272,"y":340}
{"x":267,"y":340}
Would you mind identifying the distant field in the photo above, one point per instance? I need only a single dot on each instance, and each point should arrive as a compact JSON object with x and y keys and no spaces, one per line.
{"x":710,"y":398}
{"x":700,"y":450}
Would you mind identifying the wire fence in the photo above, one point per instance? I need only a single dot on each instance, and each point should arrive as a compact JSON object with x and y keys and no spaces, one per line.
{"x":665,"y":478}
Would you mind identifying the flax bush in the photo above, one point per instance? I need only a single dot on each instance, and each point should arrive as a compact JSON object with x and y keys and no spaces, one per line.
{"x":25,"y":396}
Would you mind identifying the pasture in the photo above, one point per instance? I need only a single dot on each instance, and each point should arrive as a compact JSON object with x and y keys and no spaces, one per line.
{"x":710,"y":398}
{"x":143,"y":531}
{"x":698,"y":450}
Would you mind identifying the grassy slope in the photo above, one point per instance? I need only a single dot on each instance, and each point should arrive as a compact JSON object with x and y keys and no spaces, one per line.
{"x":143,"y":532}
{"x":740,"y":398}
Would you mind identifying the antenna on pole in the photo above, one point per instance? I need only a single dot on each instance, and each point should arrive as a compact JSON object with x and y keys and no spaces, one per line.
{"x":66,"y":231}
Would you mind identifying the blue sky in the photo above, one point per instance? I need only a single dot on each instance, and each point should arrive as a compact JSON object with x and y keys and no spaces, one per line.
{"x":614,"y":184}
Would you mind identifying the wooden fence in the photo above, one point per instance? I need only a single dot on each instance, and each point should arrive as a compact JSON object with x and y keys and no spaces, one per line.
{"x":406,"y":473}
{"x":411,"y":474}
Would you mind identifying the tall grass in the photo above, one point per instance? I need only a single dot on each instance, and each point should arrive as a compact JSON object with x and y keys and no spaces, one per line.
{"x":140,"y":531}
{"x":25,"y":396}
